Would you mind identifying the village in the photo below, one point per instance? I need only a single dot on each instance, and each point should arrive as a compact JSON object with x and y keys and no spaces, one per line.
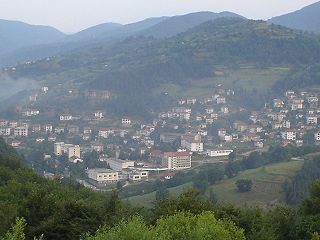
{"x":129,"y":150}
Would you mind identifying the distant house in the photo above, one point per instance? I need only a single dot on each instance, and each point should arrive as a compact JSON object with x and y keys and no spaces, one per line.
{"x":312,"y":119}
{"x":289,"y":135}
{"x":65,"y":117}
{"x":98,"y":147}
{"x":105,"y":132}
{"x":126,"y":121}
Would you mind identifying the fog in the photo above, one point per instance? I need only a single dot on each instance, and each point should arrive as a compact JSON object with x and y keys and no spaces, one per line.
{"x":10,"y":87}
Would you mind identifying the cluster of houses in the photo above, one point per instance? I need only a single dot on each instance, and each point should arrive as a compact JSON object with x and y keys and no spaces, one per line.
{"x":171,"y":140}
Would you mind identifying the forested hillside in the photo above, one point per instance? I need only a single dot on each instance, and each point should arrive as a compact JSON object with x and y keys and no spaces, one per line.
{"x":142,"y":64}
{"x":66,"y":211}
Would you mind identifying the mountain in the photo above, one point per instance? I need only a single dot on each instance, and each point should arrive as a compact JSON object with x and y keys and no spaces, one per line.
{"x":107,"y":33}
{"x":93,"y":32}
{"x":142,"y":63}
{"x":15,"y":35}
{"x":178,"y":24}
{"x":306,"y":19}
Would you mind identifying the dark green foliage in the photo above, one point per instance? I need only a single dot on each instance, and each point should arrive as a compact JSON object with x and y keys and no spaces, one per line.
{"x":244,"y":185}
{"x":297,"y":189}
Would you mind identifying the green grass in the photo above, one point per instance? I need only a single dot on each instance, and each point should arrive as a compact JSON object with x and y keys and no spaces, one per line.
{"x":147,"y":200}
{"x":247,"y":77}
{"x":267,"y":185}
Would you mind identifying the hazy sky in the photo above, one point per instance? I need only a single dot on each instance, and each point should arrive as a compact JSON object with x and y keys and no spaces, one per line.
{"x":74,"y":15}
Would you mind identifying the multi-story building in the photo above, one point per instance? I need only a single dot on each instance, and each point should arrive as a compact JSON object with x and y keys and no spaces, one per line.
{"x":219,"y":152}
{"x":193,"y":145}
{"x":136,"y":176}
{"x":21,"y":131}
{"x":5,"y":131}
{"x":103,"y":175}
{"x":119,"y":165}
{"x":289,"y":135}
{"x":177,"y":160}
{"x":61,"y":148}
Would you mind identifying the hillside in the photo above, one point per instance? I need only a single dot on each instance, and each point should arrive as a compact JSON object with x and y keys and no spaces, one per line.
{"x":178,"y":24}
{"x":305,"y":19}
{"x":191,"y":55}
{"x":141,"y":64}
{"x":15,"y":35}
{"x":112,"y":32}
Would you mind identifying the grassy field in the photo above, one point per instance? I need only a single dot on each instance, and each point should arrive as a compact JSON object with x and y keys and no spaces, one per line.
{"x":267,"y":185}
{"x":148,"y":199}
{"x":247,"y":77}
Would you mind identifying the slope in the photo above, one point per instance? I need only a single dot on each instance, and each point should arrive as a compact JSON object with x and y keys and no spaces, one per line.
{"x":305,"y":19}
{"x":15,"y":35}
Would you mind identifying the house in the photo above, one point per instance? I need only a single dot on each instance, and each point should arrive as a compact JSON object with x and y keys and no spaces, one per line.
{"x":126,"y":121}
{"x":312,"y":119}
{"x":209,"y":110}
{"x":75,"y":159}
{"x":290,"y":94}
{"x":33,"y":97}
{"x":296,"y":104}
{"x":225,"y":110}
{"x":169,"y":137}
{"x":87,"y":131}
{"x":177,"y":160}
{"x":98,"y":115}
{"x":221,"y":100}
{"x":222,"y":132}
{"x":36,"y":128}
{"x":317,"y":136}
{"x":30,"y":112}
{"x":103,"y":175}
{"x":240,"y":126}
{"x":45,"y":89}
{"x":59,"y":130}
{"x":73,"y":129}
{"x":105,"y":132}
{"x":286,"y":124}
{"x":278,"y":103}
{"x":98,"y":147}
{"x":289,"y":135}
{"x":313,"y":101}
{"x":191,"y":101}
{"x":65,"y":117}
{"x":47,"y":128}
{"x":5,"y":131}
{"x":3,"y":123}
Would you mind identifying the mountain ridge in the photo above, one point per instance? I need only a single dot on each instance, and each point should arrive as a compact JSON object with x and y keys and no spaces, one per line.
{"x":305,"y":19}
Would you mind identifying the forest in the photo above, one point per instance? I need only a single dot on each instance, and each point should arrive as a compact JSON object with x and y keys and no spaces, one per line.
{"x":32,"y":206}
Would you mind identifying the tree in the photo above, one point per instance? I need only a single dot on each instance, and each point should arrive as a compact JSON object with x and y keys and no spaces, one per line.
{"x":311,"y":206}
{"x":244,"y":185}
{"x":162,"y":193}
{"x":180,"y":226}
